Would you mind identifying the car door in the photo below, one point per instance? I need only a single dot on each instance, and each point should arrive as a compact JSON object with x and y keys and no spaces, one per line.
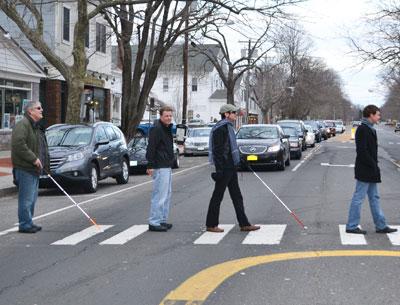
{"x":102,"y":151}
{"x":115,"y":162}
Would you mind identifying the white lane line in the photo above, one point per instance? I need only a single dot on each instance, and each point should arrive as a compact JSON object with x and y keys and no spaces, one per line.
{"x":306,"y":158}
{"x":81,"y":236}
{"x":267,"y":235}
{"x":13,"y":229}
{"x":395,"y":237}
{"x":351,"y":239}
{"x":210,"y":238}
{"x":127,"y":235}
{"x":103,"y":196}
{"x":391,"y":143}
{"x":337,"y":165}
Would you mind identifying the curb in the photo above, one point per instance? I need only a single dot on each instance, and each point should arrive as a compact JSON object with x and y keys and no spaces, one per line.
{"x":8,"y":191}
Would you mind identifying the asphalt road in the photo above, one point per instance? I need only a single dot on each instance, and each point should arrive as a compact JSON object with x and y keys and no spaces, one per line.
{"x":282,"y":265}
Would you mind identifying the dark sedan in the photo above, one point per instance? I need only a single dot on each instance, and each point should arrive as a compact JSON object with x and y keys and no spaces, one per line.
{"x":294,"y":141}
{"x":265,"y":145}
{"x":137,"y":154}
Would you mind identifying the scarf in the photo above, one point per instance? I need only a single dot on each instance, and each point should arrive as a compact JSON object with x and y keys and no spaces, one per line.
{"x":365,"y":121}
{"x":232,"y":140}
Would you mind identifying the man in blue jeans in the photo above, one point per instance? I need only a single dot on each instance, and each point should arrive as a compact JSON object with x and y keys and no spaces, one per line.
{"x":367,"y":174}
{"x":29,"y":155}
{"x":160,"y":158}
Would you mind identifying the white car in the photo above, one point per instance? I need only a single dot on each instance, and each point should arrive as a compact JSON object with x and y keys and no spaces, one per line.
{"x":340,"y":128}
{"x":310,"y":137}
{"x":196,"y":142}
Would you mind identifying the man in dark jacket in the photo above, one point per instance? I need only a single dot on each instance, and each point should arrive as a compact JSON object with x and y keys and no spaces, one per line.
{"x":29,"y":155}
{"x":224,"y":154}
{"x":160,"y":158}
{"x":367,"y":174}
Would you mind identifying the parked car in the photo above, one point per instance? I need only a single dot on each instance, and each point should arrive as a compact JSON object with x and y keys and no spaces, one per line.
{"x":294,"y":141}
{"x":85,"y":154}
{"x":330,"y":128}
{"x":356,"y":123}
{"x":310,"y":137}
{"x":316,"y":128}
{"x":397,"y":128}
{"x":263,"y":144}
{"x":137,"y":154}
{"x":142,"y":130}
{"x":196,"y":142}
{"x":340,"y":128}
{"x":322,"y":129}
{"x":299,"y":125}
{"x":196,"y":123}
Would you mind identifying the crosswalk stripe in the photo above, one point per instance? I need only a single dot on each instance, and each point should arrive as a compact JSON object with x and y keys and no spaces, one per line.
{"x":351,"y":239}
{"x":210,"y":238}
{"x":127,"y":235}
{"x":82,"y":235}
{"x":267,"y":235}
{"x":395,"y":237}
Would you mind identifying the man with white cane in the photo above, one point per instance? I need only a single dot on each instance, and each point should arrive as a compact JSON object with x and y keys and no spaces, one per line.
{"x":224,"y":154}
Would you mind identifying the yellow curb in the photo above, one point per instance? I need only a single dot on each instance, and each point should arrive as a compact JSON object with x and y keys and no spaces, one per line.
{"x":196,"y":289}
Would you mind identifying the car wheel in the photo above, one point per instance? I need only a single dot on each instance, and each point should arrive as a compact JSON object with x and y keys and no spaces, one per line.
{"x":176,"y":161}
{"x":91,"y":184}
{"x":123,"y":177}
{"x":313,"y":145}
{"x":282,"y":165}
{"x":299,"y":154}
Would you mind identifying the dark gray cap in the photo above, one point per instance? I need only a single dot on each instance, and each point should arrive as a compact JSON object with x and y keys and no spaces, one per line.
{"x":228,"y":108}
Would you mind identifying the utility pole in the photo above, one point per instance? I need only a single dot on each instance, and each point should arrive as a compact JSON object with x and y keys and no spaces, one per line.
{"x":185,"y":68}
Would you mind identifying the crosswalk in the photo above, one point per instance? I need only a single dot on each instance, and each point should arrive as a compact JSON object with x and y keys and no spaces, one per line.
{"x":271,"y":234}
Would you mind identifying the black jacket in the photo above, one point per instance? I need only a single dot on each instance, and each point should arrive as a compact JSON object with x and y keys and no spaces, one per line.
{"x":222,"y":149}
{"x":160,"y":150}
{"x":366,"y":168}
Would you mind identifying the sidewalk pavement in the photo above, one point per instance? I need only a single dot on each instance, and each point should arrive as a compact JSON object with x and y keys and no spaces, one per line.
{"x":7,"y":186}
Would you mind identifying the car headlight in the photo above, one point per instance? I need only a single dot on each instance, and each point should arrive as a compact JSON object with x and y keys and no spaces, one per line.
{"x":274,"y":148}
{"x":75,"y":157}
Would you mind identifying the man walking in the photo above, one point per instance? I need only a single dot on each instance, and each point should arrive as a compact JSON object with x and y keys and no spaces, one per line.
{"x":367,"y":174}
{"x":224,"y":154}
{"x":29,"y":154}
{"x":160,"y":157}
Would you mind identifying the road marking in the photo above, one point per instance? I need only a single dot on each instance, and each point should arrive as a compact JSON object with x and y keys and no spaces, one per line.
{"x":210,"y":238}
{"x":395,"y":237}
{"x":99,"y":198}
{"x":391,"y":143}
{"x":78,"y":237}
{"x":312,"y":152}
{"x":351,"y":239}
{"x":337,"y":165}
{"x":127,"y":235}
{"x":196,"y":289}
{"x":267,"y":235}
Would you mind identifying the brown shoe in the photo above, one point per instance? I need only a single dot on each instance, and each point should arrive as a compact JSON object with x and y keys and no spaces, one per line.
{"x":215,"y":229}
{"x":249,"y":228}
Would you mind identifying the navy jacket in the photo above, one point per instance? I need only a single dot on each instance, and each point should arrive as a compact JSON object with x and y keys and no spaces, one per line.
{"x":160,"y":150}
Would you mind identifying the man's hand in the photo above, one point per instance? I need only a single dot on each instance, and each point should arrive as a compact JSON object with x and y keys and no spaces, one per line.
{"x":38,"y":164}
{"x":150,"y":172}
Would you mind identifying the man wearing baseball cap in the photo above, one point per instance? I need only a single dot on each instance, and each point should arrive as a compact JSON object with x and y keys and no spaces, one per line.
{"x":224,"y":154}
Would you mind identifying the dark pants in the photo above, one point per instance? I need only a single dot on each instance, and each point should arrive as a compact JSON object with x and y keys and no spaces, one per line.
{"x":230,"y":180}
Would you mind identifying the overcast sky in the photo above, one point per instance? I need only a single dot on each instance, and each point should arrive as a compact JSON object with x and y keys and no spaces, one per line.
{"x":329,"y":22}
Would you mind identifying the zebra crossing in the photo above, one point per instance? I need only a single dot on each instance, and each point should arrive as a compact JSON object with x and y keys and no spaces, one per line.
{"x":271,"y":234}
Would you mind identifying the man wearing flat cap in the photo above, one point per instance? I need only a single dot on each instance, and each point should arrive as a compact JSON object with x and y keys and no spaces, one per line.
{"x":224,"y":154}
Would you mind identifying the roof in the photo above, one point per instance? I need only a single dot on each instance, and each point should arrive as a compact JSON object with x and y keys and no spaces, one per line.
{"x":173,"y":60}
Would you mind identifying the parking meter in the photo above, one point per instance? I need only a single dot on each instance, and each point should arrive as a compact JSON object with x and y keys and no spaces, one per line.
{"x":181,"y":130}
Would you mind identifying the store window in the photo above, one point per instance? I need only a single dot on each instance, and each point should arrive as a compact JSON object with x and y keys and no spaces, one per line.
{"x":13,"y":96}
{"x":92,"y":104}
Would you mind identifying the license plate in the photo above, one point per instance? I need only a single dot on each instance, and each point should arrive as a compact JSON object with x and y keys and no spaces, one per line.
{"x":201,"y":148}
{"x":133,"y":163}
{"x":252,"y":158}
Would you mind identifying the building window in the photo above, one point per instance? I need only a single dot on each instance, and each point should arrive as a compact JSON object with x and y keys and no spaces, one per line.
{"x":87,"y":37}
{"x":66,"y":22}
{"x":194,"y":84}
{"x":101,"y":38}
{"x":165,"y":84}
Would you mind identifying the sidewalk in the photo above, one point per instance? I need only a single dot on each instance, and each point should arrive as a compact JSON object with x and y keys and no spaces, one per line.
{"x":6,"y":180}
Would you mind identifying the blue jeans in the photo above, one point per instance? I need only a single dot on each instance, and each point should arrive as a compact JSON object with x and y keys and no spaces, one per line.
{"x":161,"y":196}
{"x":28,"y":187}
{"x":363,"y":189}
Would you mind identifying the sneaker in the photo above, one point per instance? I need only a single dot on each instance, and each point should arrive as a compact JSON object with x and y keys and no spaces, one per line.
{"x":214,"y":230}
{"x":356,"y":231}
{"x":30,"y":230}
{"x":386,"y":230}
{"x":167,"y":225}
{"x":157,"y":228}
{"x":249,"y":228}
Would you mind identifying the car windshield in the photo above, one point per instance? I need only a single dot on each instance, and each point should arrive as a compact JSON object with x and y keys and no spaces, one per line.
{"x":313,"y":124}
{"x":290,"y":131}
{"x":294,"y":125}
{"x":257,"y":132}
{"x":329,"y":124}
{"x":138,"y":142}
{"x":74,"y":136}
{"x":339,"y":123}
{"x":197,"y":133}
{"x":309,"y":128}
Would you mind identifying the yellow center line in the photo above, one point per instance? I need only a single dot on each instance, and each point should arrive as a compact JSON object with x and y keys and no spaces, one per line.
{"x":196,"y":289}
